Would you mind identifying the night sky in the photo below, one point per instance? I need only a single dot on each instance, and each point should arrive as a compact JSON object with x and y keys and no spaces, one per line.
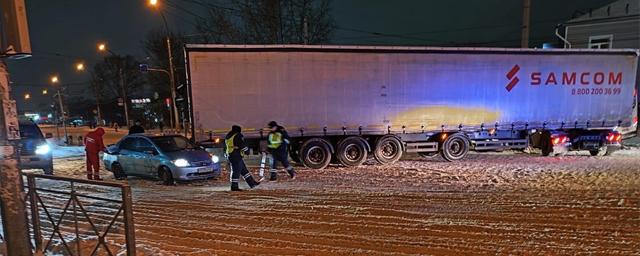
{"x":64,"y":32}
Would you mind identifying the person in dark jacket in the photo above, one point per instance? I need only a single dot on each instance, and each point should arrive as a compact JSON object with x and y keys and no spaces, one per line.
{"x":136,"y":128}
{"x":93,"y":145}
{"x":279,"y":149}
{"x":234,"y":149}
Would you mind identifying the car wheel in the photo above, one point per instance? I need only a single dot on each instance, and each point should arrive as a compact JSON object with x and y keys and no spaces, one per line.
{"x":118,"y":172}
{"x":166,"y":176}
{"x":48,"y":171}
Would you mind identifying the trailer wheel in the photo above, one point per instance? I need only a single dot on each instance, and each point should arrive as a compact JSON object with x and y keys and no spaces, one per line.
{"x":315,"y":153}
{"x":352,"y":151}
{"x":455,"y":147}
{"x":388,"y":150}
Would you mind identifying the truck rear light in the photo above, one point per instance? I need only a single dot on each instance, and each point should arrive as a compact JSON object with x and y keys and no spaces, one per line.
{"x":559,"y":139}
{"x":614,"y":137}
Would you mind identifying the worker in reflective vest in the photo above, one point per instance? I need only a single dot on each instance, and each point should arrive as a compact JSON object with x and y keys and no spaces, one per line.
{"x":234,"y":149}
{"x":279,"y":147}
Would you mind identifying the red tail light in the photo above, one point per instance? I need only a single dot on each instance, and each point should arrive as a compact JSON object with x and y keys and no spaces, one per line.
{"x":614,"y":137}
{"x":559,"y":139}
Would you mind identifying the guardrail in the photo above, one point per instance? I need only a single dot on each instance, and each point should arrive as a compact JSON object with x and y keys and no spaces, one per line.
{"x":81,"y":225}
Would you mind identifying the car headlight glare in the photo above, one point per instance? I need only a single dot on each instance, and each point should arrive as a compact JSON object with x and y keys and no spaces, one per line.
{"x":181,"y":162}
{"x":43,"y":149}
{"x":215,"y":159}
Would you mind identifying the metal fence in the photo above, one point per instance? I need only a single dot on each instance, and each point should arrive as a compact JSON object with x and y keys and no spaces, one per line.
{"x":79,"y":217}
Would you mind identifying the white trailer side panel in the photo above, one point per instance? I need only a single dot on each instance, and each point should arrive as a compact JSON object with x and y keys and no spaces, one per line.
{"x":315,"y":89}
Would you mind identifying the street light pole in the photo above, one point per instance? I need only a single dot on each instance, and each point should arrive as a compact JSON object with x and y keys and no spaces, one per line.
{"x":172,"y":79}
{"x":64,"y":118}
{"x":124,"y":94}
{"x":54,"y":81}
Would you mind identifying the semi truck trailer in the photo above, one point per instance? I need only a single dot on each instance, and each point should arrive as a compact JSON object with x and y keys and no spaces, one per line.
{"x":346,"y":104}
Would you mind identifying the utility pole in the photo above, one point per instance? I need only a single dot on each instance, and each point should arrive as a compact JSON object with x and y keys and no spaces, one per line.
{"x":172,"y":80}
{"x":55,"y":82}
{"x":15,"y":32}
{"x":14,"y":216}
{"x":526,"y":23}
{"x":124,"y":90}
{"x":97,"y":95}
{"x":64,"y":118}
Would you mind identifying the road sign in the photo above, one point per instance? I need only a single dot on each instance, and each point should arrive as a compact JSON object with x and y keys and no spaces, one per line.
{"x":144,"y":68}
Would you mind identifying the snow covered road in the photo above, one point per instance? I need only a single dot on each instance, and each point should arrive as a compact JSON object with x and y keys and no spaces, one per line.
{"x":492,"y":203}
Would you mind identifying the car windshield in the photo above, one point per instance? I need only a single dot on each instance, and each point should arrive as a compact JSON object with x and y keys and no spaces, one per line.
{"x":173,"y":143}
{"x":30,"y":132}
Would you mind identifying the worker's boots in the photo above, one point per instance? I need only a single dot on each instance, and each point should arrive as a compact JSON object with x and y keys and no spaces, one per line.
{"x":291,"y":173}
{"x":234,"y":186}
{"x":250,"y":181}
{"x":89,"y":176}
{"x":274,"y":175}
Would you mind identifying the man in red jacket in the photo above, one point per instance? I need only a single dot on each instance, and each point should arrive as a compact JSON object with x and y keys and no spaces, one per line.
{"x":93,"y":145}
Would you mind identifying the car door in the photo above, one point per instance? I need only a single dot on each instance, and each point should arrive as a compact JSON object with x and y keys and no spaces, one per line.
{"x":127,"y":151}
{"x":148,"y":155}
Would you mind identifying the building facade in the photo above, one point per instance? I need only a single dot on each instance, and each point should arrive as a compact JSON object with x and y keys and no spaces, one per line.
{"x":616,"y":25}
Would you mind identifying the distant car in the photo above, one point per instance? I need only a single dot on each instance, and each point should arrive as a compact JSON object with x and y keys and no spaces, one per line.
{"x":166,"y":157}
{"x":35,"y":152}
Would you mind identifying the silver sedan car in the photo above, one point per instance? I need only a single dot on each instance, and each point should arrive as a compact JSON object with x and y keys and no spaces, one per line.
{"x":167,"y":157}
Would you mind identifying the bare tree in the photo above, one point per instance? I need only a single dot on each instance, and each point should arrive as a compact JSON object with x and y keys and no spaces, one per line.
{"x":268,"y":22}
{"x":106,"y":78}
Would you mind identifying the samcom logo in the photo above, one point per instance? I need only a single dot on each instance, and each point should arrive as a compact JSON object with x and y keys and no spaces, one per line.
{"x":513,"y":78}
{"x":572,"y":78}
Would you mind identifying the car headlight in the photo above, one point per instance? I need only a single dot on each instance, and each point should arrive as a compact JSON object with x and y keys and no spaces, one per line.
{"x":215,"y":159}
{"x":43,"y":149}
{"x":181,"y":162}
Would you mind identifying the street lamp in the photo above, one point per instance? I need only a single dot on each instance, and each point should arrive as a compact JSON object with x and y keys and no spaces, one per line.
{"x":54,"y":81}
{"x":80,"y":66}
{"x":27,"y":96}
{"x":44,"y":91}
{"x":102,"y":47}
{"x":172,"y":80}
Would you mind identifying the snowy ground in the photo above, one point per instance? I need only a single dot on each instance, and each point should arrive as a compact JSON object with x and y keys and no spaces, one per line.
{"x":492,"y":203}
